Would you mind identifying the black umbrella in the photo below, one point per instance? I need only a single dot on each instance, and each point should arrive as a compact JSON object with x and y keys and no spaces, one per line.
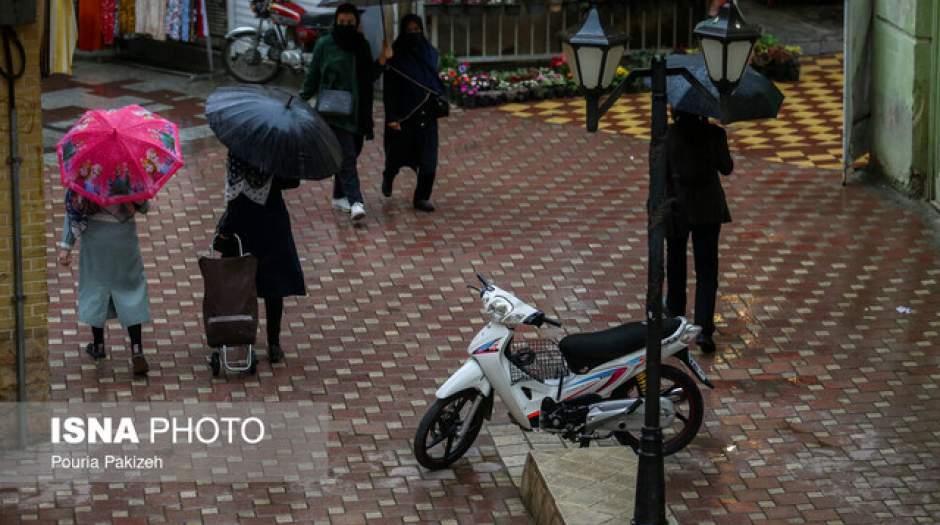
{"x":275,"y":131}
{"x":755,"y":97}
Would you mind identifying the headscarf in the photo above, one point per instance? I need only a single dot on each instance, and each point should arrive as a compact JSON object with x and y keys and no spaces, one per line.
{"x":415,"y":56}
{"x":244,"y":179}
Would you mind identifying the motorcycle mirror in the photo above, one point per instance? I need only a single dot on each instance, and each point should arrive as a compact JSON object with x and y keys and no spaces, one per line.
{"x":483,"y":279}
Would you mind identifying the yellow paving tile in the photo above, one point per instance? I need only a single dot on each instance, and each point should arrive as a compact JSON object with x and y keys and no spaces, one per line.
{"x":789,"y":154}
{"x":807,"y":132}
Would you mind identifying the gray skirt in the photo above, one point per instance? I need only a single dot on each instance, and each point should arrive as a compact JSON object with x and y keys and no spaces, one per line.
{"x":111,"y":281}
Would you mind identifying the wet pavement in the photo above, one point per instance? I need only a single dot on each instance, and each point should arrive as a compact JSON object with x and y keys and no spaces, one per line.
{"x":826,"y":401}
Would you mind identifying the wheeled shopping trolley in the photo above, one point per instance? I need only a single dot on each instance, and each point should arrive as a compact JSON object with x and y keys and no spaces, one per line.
{"x":230,"y":309}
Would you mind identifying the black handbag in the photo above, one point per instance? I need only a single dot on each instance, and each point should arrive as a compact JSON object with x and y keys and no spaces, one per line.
{"x":441,"y":107}
{"x":335,"y":103}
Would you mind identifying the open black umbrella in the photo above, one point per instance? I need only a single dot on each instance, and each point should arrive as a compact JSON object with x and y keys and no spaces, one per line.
{"x":274,"y":131}
{"x":756,"y":97}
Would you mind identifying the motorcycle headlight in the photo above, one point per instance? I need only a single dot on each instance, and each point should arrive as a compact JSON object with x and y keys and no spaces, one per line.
{"x":500,"y":308}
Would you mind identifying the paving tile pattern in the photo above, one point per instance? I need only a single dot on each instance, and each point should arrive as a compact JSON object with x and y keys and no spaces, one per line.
{"x":826,"y":402}
{"x":807,"y":132}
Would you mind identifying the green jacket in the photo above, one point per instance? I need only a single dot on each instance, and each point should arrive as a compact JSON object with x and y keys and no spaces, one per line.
{"x":334,"y":68}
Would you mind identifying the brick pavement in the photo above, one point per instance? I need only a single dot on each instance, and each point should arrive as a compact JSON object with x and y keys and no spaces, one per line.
{"x":826,"y":401}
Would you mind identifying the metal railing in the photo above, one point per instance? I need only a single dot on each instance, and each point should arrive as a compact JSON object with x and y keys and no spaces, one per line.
{"x":530,"y":31}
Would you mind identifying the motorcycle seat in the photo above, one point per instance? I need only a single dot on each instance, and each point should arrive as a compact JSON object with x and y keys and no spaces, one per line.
{"x":586,"y":351}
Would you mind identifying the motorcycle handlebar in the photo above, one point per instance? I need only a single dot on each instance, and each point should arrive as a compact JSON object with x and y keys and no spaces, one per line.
{"x":553,"y":322}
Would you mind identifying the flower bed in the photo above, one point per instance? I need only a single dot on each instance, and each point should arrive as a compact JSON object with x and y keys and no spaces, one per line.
{"x":470,"y":89}
{"x":775,"y":60}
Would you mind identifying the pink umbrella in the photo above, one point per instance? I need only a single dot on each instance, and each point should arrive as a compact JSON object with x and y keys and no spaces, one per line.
{"x":119,"y":155}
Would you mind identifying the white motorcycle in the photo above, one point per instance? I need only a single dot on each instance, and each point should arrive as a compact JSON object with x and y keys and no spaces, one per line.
{"x":587,"y":387}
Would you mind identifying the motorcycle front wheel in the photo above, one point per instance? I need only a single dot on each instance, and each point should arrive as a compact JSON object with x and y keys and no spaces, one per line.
{"x":437,"y":444}
{"x":686,"y":397}
{"x":250,"y":60}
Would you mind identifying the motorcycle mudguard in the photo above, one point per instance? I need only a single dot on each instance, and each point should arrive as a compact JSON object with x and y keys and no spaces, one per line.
{"x":240,"y":31}
{"x":470,"y":375}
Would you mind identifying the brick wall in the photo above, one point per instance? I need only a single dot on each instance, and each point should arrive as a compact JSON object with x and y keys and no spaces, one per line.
{"x":33,"y":218}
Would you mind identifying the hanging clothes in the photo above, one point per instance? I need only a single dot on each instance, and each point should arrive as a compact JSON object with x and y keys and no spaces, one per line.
{"x":89,"y":25}
{"x":150,"y":18}
{"x":126,"y":22}
{"x":63,"y":36}
{"x":174,"y":19}
{"x":107,"y":21}
{"x":202,"y":22}
{"x":186,"y":13}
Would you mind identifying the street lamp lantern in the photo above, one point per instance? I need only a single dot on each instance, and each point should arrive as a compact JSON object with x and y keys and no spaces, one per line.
{"x":727,"y":40}
{"x":593,"y":55}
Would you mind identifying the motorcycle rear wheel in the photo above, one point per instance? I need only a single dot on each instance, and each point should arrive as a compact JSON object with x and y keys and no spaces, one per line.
{"x":440,"y":425}
{"x":687,"y":399}
{"x":246,"y":59}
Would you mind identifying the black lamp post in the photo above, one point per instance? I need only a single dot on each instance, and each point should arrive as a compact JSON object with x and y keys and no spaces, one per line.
{"x":593,"y":56}
{"x":727,"y":41}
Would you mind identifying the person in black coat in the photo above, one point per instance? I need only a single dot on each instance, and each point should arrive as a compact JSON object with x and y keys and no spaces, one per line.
{"x":697,"y":151}
{"x":256,"y":212}
{"x":411,"y":138}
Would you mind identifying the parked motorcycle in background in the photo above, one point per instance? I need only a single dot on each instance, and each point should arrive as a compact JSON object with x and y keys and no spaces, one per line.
{"x":284,"y":36}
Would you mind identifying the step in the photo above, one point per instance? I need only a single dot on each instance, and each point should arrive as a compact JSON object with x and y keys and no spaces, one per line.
{"x":590,"y":486}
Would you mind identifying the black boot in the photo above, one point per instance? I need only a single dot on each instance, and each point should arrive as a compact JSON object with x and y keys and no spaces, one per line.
{"x":138,"y":361}
{"x":275,"y":354}
{"x":387,"y":185}
{"x":96,"y":351}
{"x":706,"y":343}
{"x":424,"y":206}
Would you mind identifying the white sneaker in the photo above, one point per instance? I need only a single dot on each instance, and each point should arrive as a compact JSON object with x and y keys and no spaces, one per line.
{"x":357,"y":212}
{"x":341,"y":204}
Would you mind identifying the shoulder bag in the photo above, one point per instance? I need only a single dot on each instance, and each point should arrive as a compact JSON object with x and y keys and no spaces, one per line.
{"x":440,"y":106}
{"x":334,"y":103}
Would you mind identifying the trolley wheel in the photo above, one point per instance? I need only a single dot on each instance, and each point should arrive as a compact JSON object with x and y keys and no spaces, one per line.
{"x":253,"y":368}
{"x":215,"y":363}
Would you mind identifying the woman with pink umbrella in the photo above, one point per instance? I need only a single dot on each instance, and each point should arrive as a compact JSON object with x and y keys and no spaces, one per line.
{"x":112,"y":162}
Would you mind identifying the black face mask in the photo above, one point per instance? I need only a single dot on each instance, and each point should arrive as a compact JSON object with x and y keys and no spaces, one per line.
{"x":346,"y":36}
{"x":413,"y":40}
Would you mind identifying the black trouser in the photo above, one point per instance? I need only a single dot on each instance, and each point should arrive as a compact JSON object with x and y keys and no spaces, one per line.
{"x":705,"y":251}
{"x":133,"y":331}
{"x":273,"y":311}
{"x":346,"y":182}
{"x":421,"y":140}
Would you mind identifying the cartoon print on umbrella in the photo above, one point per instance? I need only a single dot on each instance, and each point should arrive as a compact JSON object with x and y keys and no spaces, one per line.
{"x":69,"y":149}
{"x":166,"y":137}
{"x":87,"y":174}
{"x":118,"y":156}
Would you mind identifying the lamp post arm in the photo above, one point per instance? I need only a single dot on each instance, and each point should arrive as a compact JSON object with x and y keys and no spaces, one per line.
{"x":619,"y":90}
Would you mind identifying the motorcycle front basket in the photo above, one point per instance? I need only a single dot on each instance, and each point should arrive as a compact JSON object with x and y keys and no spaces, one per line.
{"x":536,"y":359}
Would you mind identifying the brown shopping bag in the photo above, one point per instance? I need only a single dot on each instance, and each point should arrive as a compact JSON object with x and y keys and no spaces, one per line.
{"x":230,"y":302}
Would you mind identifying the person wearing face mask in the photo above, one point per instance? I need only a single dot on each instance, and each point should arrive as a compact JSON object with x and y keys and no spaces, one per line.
{"x":411,"y":138}
{"x":342,"y":61}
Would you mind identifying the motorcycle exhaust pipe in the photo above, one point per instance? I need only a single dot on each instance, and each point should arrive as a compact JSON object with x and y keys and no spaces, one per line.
{"x":621,"y":415}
